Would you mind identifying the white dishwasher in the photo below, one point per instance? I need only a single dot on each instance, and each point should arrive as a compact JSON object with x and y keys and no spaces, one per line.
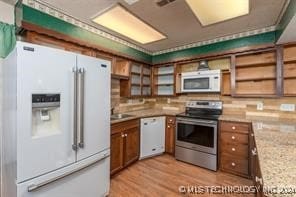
{"x":152,"y":136}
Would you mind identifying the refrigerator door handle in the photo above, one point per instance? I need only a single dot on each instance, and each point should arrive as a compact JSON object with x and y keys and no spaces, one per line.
{"x":34,"y":187}
{"x":74,"y":145}
{"x":81,"y":110}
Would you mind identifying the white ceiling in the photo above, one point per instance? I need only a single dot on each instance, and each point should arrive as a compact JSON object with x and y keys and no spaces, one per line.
{"x":176,"y":19}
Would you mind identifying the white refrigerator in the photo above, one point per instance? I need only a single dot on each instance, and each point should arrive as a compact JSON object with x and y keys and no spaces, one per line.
{"x":56,"y":139}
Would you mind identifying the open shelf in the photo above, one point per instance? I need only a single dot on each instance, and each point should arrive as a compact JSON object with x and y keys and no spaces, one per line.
{"x":135,"y":73}
{"x":256,"y":79}
{"x":138,"y":83}
{"x":259,"y":64}
{"x":164,"y":74}
{"x":290,"y":61}
{"x":164,"y":80}
{"x":164,"y":84}
{"x":290,"y":77}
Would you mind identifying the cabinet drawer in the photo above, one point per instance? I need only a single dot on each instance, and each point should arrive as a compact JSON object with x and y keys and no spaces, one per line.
{"x":231,"y":137}
{"x":170,"y":120}
{"x":235,"y":127}
{"x":235,"y":165}
{"x":123,"y":126}
{"x":239,"y":150}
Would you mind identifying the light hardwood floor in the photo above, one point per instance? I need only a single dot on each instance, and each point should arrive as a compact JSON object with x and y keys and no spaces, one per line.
{"x":163,"y":175}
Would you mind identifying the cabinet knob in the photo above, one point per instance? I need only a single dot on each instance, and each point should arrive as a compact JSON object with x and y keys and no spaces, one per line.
{"x":233,"y":137}
{"x":122,"y":135}
{"x":254,"y":152}
{"x":233,"y":164}
{"x":233,"y":128}
{"x":233,"y":149}
{"x":169,"y":126}
{"x":125,"y":135}
{"x":171,"y":120}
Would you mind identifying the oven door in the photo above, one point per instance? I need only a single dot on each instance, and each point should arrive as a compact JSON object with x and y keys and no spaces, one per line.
{"x":197,"y":134}
{"x":196,"y":84}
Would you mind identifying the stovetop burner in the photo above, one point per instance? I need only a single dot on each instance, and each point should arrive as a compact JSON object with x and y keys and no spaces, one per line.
{"x":210,"y":110}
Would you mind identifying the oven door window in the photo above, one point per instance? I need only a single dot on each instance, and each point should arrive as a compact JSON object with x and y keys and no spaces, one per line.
{"x":196,"y":83}
{"x":196,"y":134}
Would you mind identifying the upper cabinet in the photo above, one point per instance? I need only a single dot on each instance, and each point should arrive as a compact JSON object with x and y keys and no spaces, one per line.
{"x":164,"y":81}
{"x":120,"y":68}
{"x":256,"y":74}
{"x":139,"y":82}
{"x":289,"y":70}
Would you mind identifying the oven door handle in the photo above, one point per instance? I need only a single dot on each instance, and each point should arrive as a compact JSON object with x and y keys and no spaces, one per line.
{"x":208,"y":122}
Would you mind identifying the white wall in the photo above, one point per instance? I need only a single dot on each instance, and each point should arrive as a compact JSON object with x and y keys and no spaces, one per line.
{"x":6,"y":16}
{"x":7,"y":12}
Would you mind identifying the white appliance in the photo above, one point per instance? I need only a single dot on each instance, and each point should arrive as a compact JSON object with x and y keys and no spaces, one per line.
{"x":56,"y":139}
{"x":152,"y":136}
{"x":201,"y":81}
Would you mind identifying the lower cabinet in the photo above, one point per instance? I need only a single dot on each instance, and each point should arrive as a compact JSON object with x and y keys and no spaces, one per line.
{"x":234,"y":148}
{"x":170,"y":135}
{"x":125,"y":144}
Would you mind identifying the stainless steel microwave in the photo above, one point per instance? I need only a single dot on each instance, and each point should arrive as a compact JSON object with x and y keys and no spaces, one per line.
{"x":201,"y":81}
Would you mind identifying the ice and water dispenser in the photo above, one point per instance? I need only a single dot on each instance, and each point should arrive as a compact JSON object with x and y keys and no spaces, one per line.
{"x":45,"y":115}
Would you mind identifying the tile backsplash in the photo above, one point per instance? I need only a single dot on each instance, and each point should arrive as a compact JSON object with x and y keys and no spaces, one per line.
{"x":233,"y":106}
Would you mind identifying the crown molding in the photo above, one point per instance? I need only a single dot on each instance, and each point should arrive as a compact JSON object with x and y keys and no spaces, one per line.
{"x":57,"y":13}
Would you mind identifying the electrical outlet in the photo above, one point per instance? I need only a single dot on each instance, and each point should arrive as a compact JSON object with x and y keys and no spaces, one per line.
{"x":260,"y":106}
{"x":287,"y":107}
{"x":259,"y":125}
{"x":169,"y":101}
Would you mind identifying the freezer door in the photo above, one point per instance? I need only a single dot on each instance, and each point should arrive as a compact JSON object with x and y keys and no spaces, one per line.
{"x":94,"y":106}
{"x":44,"y":129}
{"x":76,"y":180}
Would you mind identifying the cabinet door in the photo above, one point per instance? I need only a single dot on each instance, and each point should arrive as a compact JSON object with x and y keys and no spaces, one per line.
{"x":132,"y":145}
{"x":170,"y":139}
{"x":116,"y":152}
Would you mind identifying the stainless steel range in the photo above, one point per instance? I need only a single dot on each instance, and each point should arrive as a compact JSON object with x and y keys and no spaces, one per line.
{"x":196,"y":133}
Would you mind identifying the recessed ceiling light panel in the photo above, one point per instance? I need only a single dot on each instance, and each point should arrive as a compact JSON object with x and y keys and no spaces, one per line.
{"x":213,"y":11}
{"x":130,"y":2}
{"x":120,"y":20}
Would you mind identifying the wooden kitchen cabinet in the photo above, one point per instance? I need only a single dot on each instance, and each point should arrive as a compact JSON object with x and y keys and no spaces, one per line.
{"x":289,"y":70}
{"x":139,"y":82}
{"x":131,"y":145}
{"x":234,"y":148}
{"x":125,"y":144}
{"x":257,"y":74}
{"x":164,"y":80}
{"x":116,"y":152}
{"x":170,"y":134}
{"x":120,"y":68}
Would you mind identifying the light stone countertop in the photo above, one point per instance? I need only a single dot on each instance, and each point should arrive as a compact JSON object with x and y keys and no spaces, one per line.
{"x":148,"y":113}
